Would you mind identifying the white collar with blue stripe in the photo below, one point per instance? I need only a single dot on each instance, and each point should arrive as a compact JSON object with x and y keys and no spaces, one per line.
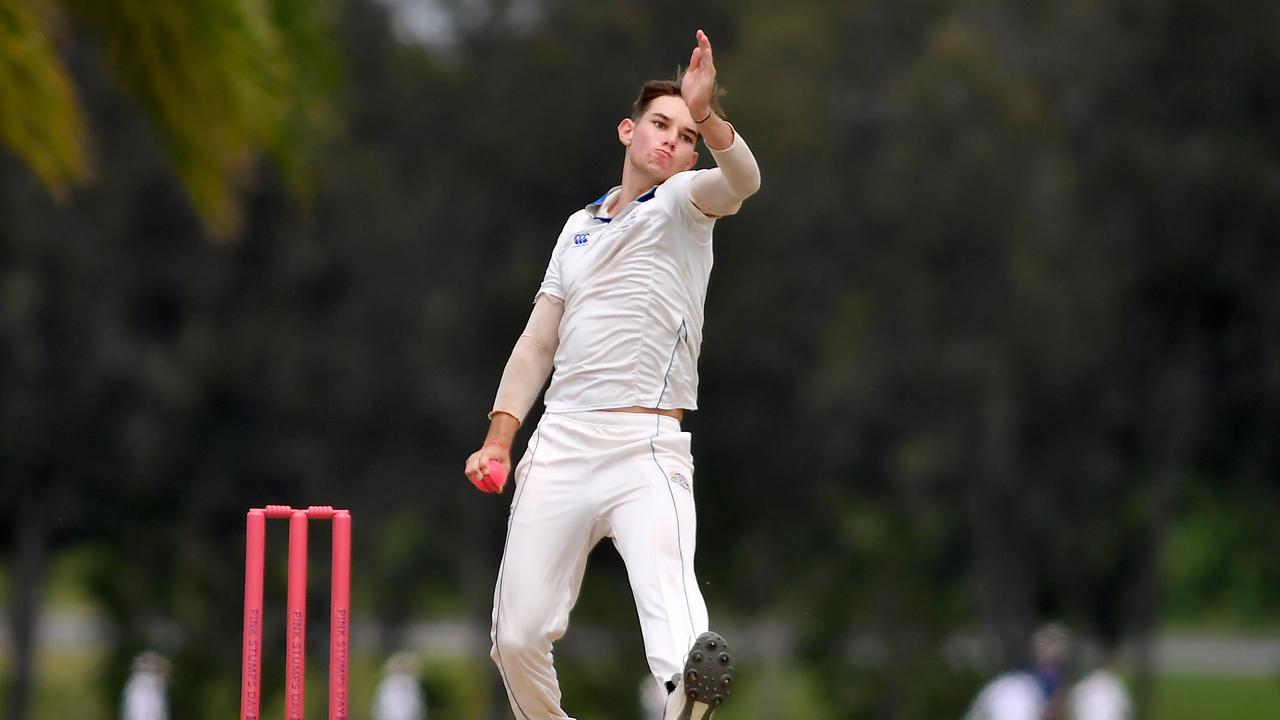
{"x":598,"y":204}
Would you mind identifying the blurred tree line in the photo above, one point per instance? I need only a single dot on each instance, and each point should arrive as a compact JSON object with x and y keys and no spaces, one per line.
{"x":998,"y":341}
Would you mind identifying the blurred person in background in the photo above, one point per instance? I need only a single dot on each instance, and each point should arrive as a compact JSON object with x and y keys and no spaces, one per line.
{"x":1034,"y":694}
{"x":1101,"y":695}
{"x":399,"y":695}
{"x":145,"y":695}
{"x":1010,"y":696}
{"x":1050,"y":647}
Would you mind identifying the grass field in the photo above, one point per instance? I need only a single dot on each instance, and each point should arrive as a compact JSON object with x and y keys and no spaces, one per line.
{"x":66,"y":690}
{"x":1199,"y":697}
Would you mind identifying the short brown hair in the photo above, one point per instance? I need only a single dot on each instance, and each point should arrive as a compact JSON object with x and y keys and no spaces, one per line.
{"x":658,"y":88}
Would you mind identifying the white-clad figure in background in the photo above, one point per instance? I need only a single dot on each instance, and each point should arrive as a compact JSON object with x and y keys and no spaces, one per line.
{"x":399,"y":695}
{"x":1101,"y":695}
{"x":1011,"y":696}
{"x":145,"y":696}
{"x":1028,"y":695}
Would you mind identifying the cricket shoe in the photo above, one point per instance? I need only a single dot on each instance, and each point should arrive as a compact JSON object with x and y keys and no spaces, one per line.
{"x":705,"y":683}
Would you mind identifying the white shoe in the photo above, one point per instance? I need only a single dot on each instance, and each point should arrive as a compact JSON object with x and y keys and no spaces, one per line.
{"x":705,"y":682}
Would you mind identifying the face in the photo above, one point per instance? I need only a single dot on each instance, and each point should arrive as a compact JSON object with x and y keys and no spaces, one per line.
{"x":661,"y":143}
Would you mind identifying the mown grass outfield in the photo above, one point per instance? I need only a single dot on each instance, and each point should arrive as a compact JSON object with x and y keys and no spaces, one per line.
{"x":1183,"y":697}
{"x":66,"y":690}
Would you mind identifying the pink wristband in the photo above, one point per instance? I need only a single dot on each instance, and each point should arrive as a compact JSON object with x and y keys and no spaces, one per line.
{"x":495,"y":442}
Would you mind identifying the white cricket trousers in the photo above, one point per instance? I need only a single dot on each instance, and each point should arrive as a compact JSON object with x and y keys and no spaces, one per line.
{"x":586,"y":476}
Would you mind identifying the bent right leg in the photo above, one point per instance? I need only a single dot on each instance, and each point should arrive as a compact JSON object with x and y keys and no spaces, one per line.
{"x":550,"y":533}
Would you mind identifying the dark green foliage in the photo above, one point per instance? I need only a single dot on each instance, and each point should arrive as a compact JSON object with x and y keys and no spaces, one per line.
{"x":998,"y":340}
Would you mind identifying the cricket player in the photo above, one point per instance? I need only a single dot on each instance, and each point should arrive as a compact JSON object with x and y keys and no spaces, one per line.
{"x":1034,"y":694}
{"x":399,"y":695}
{"x":1010,"y":696}
{"x":1101,"y":695}
{"x":619,"y":318}
{"x":145,"y":695}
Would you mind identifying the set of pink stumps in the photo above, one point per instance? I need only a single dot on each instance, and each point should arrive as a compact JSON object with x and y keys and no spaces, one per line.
{"x":296,"y":609}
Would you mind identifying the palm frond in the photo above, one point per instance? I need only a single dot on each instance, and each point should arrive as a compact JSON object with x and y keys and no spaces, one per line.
{"x":219,"y":82}
{"x":40,"y":118}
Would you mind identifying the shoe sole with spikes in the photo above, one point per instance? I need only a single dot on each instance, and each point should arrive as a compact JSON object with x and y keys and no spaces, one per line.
{"x":708,"y":677}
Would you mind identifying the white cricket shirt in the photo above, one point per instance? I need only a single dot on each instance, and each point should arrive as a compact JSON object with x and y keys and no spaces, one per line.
{"x":633,"y":288}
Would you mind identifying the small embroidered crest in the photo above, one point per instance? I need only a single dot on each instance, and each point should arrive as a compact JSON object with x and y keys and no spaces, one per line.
{"x":681,"y":480}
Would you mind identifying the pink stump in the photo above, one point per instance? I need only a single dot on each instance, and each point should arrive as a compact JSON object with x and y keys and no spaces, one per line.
{"x":340,"y":616}
{"x":251,"y":667}
{"x":296,"y":633}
